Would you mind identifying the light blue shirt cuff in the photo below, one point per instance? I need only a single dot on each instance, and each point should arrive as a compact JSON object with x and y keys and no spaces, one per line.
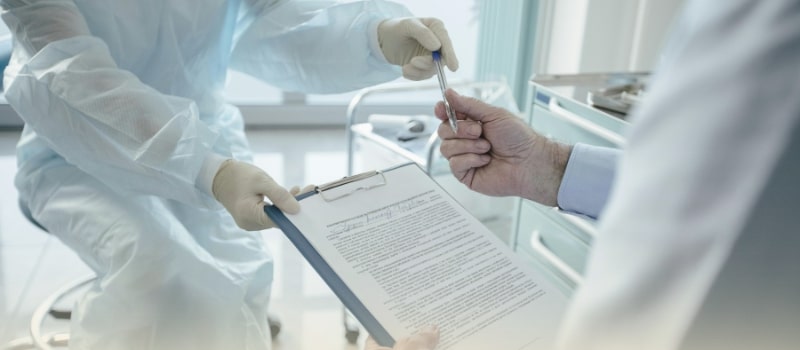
{"x":587,"y":179}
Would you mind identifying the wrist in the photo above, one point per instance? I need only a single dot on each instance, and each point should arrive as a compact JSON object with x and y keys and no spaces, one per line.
{"x":375,"y":40}
{"x":208,"y":171}
{"x":546,"y":171}
{"x":560,"y":157}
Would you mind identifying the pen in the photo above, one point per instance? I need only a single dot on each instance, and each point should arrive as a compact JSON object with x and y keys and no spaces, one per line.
{"x":437,"y":60}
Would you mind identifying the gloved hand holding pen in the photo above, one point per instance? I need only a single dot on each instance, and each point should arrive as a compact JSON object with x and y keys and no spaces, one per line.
{"x":409,"y":42}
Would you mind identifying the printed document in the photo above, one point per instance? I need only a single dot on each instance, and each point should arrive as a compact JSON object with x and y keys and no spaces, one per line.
{"x":414,"y":257}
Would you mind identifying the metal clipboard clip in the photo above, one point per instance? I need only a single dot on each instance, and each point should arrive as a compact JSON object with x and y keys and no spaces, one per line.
{"x":348,"y":185}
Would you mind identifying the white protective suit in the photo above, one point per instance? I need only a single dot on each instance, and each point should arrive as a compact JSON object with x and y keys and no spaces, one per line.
{"x":125,"y":126}
{"x":721,"y":112}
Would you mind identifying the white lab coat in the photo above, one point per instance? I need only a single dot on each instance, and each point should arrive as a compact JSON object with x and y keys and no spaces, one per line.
{"x":719,"y":113}
{"x":125,"y":129}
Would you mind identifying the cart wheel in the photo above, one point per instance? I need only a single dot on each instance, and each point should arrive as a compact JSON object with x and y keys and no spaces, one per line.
{"x":274,"y":326}
{"x":351,"y":335}
{"x":60,"y":314}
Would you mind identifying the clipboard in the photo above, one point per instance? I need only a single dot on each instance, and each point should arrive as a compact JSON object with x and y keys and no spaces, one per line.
{"x":408,"y":223}
{"x":331,"y":192}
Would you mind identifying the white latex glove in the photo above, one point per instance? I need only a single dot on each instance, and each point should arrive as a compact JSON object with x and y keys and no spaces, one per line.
{"x":241,"y":188}
{"x":426,"y":339}
{"x":296,"y":191}
{"x":409,"y":42}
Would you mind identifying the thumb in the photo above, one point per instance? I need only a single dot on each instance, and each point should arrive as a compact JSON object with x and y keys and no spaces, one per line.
{"x":449,"y":55}
{"x":371,"y":344}
{"x":425,"y":339}
{"x":278,"y":195}
{"x":430,"y":336}
{"x":472,"y":108}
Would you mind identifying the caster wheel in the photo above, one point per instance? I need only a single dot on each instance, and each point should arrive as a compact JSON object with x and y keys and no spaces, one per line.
{"x":274,"y":326}
{"x":60,"y":314}
{"x":352,"y":336}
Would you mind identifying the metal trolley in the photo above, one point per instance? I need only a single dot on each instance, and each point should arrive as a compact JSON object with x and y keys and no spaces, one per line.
{"x":426,"y":154}
{"x":486,"y":91}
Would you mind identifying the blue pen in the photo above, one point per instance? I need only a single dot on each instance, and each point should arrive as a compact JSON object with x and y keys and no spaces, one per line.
{"x":437,"y":60}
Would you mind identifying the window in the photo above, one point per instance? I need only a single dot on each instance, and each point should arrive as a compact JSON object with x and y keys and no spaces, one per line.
{"x":264,"y":104}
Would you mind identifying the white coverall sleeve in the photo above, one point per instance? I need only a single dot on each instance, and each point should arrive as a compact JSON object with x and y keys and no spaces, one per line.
{"x":316,"y":46}
{"x":65,"y":85}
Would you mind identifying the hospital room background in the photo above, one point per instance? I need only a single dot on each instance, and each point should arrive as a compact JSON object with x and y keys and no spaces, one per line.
{"x":505,"y":49}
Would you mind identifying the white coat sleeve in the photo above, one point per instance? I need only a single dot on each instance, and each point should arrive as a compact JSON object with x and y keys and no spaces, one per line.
{"x":316,"y":46}
{"x":717,"y":117}
{"x":587,"y":179}
{"x":65,"y":85}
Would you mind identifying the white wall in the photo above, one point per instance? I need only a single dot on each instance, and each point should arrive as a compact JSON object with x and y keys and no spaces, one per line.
{"x":602,"y":35}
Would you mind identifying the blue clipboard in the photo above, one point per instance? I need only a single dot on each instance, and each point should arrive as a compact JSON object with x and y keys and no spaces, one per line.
{"x":342,"y":291}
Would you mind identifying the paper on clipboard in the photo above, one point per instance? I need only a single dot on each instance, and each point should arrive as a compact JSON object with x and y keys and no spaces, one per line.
{"x":402,"y":254}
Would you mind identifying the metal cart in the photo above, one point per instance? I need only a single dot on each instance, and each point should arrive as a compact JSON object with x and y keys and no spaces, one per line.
{"x":423,"y":151}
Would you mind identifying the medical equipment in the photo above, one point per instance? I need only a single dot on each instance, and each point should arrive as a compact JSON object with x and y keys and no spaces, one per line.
{"x":373,"y":144}
{"x":404,"y":128}
{"x":618,"y":98}
{"x":437,"y":59}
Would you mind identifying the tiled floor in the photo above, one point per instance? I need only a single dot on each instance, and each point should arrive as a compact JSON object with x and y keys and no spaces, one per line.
{"x":34,"y":264}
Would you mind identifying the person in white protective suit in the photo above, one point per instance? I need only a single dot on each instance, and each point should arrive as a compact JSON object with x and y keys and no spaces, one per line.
{"x":698,"y":236}
{"x":131,"y":156}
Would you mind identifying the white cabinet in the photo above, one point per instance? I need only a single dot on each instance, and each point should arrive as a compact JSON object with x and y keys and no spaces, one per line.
{"x":557,"y":108}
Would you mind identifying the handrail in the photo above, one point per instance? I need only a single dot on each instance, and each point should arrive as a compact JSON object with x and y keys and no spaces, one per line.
{"x":569,"y":117}
{"x":567,"y":271}
{"x":356,"y":101}
{"x":39,"y":341}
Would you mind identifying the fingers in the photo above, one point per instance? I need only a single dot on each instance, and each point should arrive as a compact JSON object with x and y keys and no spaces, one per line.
{"x":455,"y":147}
{"x":259,"y":220}
{"x":420,"y":31}
{"x":308,"y":188}
{"x":448,"y":54}
{"x":371,"y":344}
{"x":278,"y":195}
{"x":473,"y":108}
{"x":419,"y":68}
{"x":296,"y":191}
{"x":426,"y":339}
{"x":461,"y":165}
{"x":467,"y":129}
{"x":439,"y":111}
{"x":431,"y":34}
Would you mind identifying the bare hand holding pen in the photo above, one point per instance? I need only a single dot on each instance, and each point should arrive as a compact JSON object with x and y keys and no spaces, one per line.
{"x":497,"y":154}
